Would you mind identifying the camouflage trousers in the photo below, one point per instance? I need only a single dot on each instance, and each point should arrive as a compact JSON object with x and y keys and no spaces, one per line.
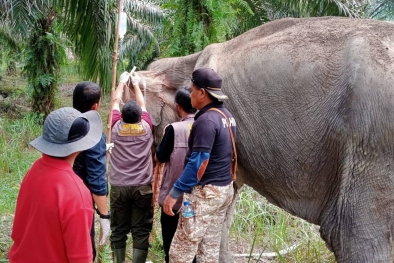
{"x":200,"y":235}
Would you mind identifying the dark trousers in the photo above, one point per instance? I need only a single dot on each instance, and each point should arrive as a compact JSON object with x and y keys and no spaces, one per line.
{"x":169,"y":225}
{"x":131,"y":211}
{"x":168,"y":228}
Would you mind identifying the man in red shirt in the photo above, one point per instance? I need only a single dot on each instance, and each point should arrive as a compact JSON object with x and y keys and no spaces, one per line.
{"x":54,"y":212}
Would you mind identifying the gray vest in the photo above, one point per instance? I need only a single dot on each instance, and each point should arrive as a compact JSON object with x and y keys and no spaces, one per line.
{"x":174,"y":167}
{"x":131,"y":157}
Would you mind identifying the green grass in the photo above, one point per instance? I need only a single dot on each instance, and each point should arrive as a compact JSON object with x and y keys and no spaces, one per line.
{"x":258,"y":227}
{"x":17,"y":157}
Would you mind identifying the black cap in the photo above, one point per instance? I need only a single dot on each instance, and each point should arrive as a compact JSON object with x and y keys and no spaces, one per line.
{"x":208,"y":79}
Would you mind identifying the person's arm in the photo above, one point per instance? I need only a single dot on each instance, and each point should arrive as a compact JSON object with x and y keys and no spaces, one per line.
{"x":118,"y":96}
{"x":115,"y":117}
{"x":203,"y":135}
{"x":76,"y":235}
{"x":191,"y":175}
{"x":96,"y":178}
{"x":101,"y":203}
{"x":166,"y":146}
{"x":189,"y":178}
{"x":123,"y":79}
{"x":139,"y":98}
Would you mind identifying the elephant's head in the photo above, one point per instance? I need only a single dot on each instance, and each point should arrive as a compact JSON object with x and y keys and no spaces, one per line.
{"x":159,"y":96}
{"x":163,"y":78}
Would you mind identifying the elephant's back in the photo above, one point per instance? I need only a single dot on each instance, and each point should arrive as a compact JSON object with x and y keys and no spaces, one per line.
{"x":314,"y":37}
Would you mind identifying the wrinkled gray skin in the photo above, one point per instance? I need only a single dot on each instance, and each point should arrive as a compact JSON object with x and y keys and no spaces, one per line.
{"x":314,"y":105}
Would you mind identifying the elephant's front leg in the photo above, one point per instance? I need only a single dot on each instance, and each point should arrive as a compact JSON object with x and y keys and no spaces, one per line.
{"x":359,"y":225}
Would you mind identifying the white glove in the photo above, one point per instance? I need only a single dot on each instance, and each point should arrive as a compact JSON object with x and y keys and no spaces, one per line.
{"x":135,"y":78}
{"x":104,"y":229}
{"x":124,"y":78}
{"x":109,"y":147}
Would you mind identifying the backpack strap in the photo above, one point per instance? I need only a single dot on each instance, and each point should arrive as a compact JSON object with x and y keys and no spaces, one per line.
{"x":234,"y":160}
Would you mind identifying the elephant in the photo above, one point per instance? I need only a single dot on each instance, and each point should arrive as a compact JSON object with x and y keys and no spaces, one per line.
{"x":313,"y":99}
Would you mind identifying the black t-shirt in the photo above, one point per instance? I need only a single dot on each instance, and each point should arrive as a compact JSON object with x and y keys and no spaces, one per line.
{"x":166,"y":146}
{"x":210,"y":134}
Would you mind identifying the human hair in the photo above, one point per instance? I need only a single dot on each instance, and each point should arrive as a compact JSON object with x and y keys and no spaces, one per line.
{"x":182,"y":98}
{"x":212,"y":98}
{"x":131,"y":112}
{"x":85,"y":95}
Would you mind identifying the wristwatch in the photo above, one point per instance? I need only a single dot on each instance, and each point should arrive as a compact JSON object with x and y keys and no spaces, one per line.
{"x":104,"y":216}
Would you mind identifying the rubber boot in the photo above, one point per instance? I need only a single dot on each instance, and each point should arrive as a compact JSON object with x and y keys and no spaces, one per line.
{"x":119,"y":255}
{"x":139,"y":256}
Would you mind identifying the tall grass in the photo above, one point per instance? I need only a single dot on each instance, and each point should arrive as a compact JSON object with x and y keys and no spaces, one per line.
{"x":260,"y":228}
{"x":16,"y":157}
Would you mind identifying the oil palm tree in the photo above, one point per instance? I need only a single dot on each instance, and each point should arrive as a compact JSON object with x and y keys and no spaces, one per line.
{"x":87,"y":24}
{"x":43,"y":25}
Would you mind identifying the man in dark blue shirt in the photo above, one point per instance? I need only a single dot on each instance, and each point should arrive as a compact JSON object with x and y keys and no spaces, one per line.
{"x":90,"y":165}
{"x":206,"y":179}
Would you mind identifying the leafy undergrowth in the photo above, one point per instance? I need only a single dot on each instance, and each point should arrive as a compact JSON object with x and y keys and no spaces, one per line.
{"x":13,"y":97}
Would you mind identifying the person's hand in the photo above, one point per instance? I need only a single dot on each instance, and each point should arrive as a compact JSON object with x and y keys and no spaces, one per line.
{"x":135,"y":78}
{"x":124,"y":77}
{"x":109,"y":147}
{"x":168,"y":204}
{"x":104,"y":229}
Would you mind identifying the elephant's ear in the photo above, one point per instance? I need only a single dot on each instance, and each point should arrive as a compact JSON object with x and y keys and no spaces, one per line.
{"x":176,"y":71}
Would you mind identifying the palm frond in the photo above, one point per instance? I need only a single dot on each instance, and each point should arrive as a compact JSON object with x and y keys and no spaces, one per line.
{"x":90,"y":25}
{"x":138,"y":38}
{"x":381,"y":9}
{"x":144,"y":18}
{"x":148,"y":11}
{"x":26,"y":12}
{"x":306,"y":8}
{"x":8,"y":39}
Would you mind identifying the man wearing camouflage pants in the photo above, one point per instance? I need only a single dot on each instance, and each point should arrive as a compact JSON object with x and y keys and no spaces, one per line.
{"x":206,"y":179}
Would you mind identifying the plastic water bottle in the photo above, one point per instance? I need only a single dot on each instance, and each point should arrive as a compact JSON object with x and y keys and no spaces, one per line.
{"x":187,"y":210}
